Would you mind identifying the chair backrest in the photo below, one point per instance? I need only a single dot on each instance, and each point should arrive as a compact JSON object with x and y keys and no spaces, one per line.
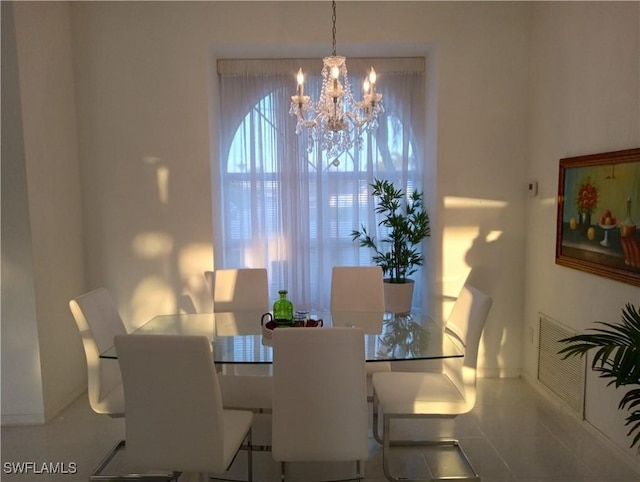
{"x":98,"y":322}
{"x":465,"y":324}
{"x":357,"y":288}
{"x":244,"y":289}
{"x":467,"y":319}
{"x":174,"y":406}
{"x":319,"y":395}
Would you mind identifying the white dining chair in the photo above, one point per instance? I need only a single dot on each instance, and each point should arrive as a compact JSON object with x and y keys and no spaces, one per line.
{"x":99,"y":322}
{"x":237,"y":290}
{"x":359,"y":289}
{"x":319,"y":397}
{"x":245,"y":289}
{"x":443,"y":395}
{"x":175,"y":418}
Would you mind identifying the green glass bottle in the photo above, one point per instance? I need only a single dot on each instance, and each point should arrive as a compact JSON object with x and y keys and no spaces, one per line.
{"x":283,"y":309}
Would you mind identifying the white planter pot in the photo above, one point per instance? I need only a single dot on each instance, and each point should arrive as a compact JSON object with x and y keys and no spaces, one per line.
{"x":398,"y":296}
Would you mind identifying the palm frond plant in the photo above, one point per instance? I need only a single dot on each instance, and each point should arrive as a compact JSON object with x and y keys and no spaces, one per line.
{"x":407,"y":224}
{"x":617,"y":357}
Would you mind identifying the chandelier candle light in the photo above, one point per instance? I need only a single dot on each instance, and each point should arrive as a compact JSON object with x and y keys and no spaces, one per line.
{"x":336,"y":121}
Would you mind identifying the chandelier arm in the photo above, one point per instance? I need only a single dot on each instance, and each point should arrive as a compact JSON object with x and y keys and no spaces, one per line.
{"x":308,"y":123}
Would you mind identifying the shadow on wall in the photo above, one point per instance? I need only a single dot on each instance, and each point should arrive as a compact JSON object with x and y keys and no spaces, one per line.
{"x":485,"y":275}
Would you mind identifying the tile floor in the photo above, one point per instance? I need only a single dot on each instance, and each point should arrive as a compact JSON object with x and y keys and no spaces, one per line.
{"x":513,"y":435}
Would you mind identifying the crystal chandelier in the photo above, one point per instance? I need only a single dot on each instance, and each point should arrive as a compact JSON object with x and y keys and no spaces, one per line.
{"x":336,"y":121}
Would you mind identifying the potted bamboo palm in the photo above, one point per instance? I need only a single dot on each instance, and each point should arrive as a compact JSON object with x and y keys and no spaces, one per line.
{"x":617,"y":357}
{"x":398,"y":253}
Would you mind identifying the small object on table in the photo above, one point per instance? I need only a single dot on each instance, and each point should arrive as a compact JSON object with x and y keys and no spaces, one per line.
{"x":313,"y":323}
{"x":283,"y":309}
{"x":269,"y":324}
{"x":299,"y":318}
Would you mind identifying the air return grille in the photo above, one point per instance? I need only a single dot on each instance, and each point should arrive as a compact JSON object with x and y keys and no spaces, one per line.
{"x":565,"y":378}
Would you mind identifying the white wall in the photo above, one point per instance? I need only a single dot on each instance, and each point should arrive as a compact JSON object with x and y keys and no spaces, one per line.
{"x":483,"y":81}
{"x":585,"y":99}
{"x":21,"y":375}
{"x":52,"y":214}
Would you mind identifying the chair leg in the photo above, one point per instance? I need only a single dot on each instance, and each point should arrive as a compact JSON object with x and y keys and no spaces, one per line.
{"x":386,"y":449}
{"x":249,"y":457}
{"x":375,"y":421}
{"x":249,"y":447}
{"x":97,"y":474}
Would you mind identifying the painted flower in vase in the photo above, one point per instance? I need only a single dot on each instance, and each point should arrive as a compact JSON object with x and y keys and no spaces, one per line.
{"x":587,"y":198}
{"x":586,"y":202}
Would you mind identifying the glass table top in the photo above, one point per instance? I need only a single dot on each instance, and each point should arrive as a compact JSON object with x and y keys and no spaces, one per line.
{"x":239,"y":337}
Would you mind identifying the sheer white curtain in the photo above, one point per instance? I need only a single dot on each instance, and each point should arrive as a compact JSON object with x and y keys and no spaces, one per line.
{"x":290,"y":210}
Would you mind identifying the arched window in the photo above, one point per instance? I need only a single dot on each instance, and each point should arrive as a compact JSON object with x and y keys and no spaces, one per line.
{"x":290,"y":210}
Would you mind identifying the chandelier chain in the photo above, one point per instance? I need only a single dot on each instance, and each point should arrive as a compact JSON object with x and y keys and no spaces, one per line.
{"x":333,"y":18}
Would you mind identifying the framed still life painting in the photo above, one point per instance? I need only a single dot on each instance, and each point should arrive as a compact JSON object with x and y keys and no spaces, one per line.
{"x":598,"y":212}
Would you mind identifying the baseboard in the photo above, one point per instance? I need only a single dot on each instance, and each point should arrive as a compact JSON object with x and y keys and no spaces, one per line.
{"x":498,"y":372}
{"x":23,"y":419}
{"x":62,"y":405}
{"x":43,"y":418}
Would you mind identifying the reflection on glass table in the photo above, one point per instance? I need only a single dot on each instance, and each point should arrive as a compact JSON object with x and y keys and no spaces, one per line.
{"x":238,"y":337}
{"x":405,"y":337}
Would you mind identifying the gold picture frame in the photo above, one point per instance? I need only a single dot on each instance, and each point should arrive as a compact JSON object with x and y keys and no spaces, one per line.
{"x":598,"y":208}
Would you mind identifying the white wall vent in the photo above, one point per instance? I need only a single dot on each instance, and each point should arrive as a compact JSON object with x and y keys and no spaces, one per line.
{"x":565,"y":378}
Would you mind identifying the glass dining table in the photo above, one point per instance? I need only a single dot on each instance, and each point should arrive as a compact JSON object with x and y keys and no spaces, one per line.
{"x":241,"y":338}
